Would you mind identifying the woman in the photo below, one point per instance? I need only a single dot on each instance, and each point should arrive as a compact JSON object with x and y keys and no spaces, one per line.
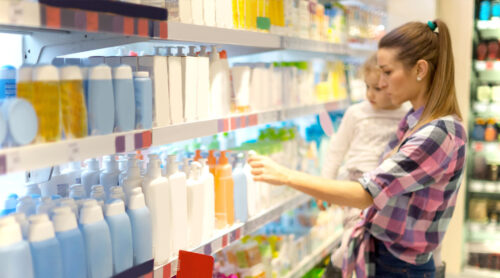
{"x":411,"y":196}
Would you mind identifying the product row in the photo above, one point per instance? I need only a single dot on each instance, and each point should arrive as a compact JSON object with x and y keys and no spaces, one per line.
{"x":295,"y":18}
{"x":488,"y":50}
{"x":484,"y":211}
{"x":485,"y":260}
{"x":489,"y":10}
{"x":487,"y":94}
{"x":279,"y":246}
{"x":486,"y":130}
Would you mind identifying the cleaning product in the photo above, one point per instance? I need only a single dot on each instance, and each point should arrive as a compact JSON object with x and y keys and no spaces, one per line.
{"x":97,"y":240}
{"x":18,"y":122}
{"x":47,"y":103}
{"x":23,"y":223}
{"x":123,"y":85}
{"x":196,"y":205}
{"x":10,"y":205}
{"x":157,"y":196}
{"x":71,"y":203}
{"x":100,"y":100}
{"x":90,"y":175}
{"x":224,"y":193}
{"x":121,"y":235}
{"x":45,"y":206}
{"x":71,"y":241}
{"x":209,"y":195}
{"x":116,"y":192}
{"x":143,"y":100}
{"x":140,"y":219}
{"x":109,"y":176}
{"x":15,"y":254}
{"x":98,"y":194}
{"x":133,"y":178}
{"x":178,"y":191}
{"x":45,"y":249}
{"x":74,"y":109}
{"x":58,"y":184}
{"x":240,"y":190}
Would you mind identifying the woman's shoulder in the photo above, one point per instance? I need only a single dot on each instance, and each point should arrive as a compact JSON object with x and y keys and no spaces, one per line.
{"x":447,"y":126}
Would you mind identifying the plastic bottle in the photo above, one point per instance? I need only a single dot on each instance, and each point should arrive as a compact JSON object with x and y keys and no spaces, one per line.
{"x":71,"y":241}
{"x":209,"y":194}
{"x":123,"y":84}
{"x":143,"y":100}
{"x":70,"y":202}
{"x":90,"y":175}
{"x":18,"y":123}
{"x":123,"y":167}
{"x":97,"y":240}
{"x":98,"y":194}
{"x":240,"y":190}
{"x":121,"y":235}
{"x":26,"y":205}
{"x":211,"y":161}
{"x":7,"y":82}
{"x":133,"y":178}
{"x":45,"y":206}
{"x":100,"y":100}
{"x":218,"y":82}
{"x":25,"y":87}
{"x":226,"y":84}
{"x":178,"y":191}
{"x":224,"y":193}
{"x":45,"y":249}
{"x":140,"y":218}
{"x":15,"y":254}
{"x":116,"y":192}
{"x":196,"y":205}
{"x":33,"y":189}
{"x":74,"y":109}
{"x":157,"y":196}
{"x":490,"y":133}
{"x":77,"y":193}
{"x":57,"y":185}
{"x":110,"y":173}
{"x":47,"y":103}
{"x":485,"y":10}
{"x":252,"y":190}
{"x":23,"y":223}
{"x":10,"y":205}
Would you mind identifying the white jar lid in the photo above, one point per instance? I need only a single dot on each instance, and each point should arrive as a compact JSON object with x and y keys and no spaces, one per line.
{"x":91,"y":212}
{"x":122,"y":72}
{"x":100,"y":72}
{"x":115,"y":207}
{"x":10,"y":231}
{"x":40,"y":228}
{"x":71,"y":73}
{"x":64,"y":219}
{"x":45,"y":73}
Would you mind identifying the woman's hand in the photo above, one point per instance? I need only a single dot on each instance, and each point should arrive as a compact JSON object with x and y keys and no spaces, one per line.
{"x":266,"y":170}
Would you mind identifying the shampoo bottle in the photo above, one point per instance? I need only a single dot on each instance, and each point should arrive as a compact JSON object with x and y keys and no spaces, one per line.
{"x":109,"y":176}
{"x":74,"y":110}
{"x":101,"y":102}
{"x":140,"y":219}
{"x":25,"y":87}
{"x":47,"y":103}
{"x":224,"y":193}
{"x":15,"y":254}
{"x":178,"y":191}
{"x":143,"y":100}
{"x":45,"y":249}
{"x":121,"y":235}
{"x":123,"y":85}
{"x":209,"y":194}
{"x":90,"y":175}
{"x":196,"y":205}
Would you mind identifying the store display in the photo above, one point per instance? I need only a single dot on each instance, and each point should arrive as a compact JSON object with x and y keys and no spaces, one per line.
{"x":140,"y":219}
{"x":45,"y":248}
{"x":100,"y":102}
{"x":124,"y":97}
{"x":121,"y":235}
{"x":15,"y":254}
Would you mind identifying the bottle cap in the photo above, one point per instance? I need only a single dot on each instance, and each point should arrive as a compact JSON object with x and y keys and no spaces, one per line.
{"x":69,"y":202}
{"x":64,"y":219}
{"x":136,"y":200}
{"x":116,"y":192}
{"x":195,"y":172}
{"x":172,"y":166}
{"x":115,"y":207}
{"x":212,"y":160}
{"x":71,"y":73}
{"x":223,"y":54}
{"x":40,"y":228}
{"x":141,"y":74}
{"x":45,"y":73}
{"x":8,"y":72}
{"x":10,"y":231}
{"x":122,"y":72}
{"x":77,"y":191}
{"x":197,"y":155}
{"x":100,"y":72}
{"x":92,"y":164}
{"x":223,"y":158}
{"x":91,"y":212}
{"x":22,"y":121}
{"x":25,"y":73}
{"x":110,"y":163}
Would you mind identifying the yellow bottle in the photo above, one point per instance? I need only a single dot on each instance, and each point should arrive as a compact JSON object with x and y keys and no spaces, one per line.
{"x":47,"y":103}
{"x":224,"y":193}
{"x":25,"y":87}
{"x":74,"y":110}
{"x":251,"y":14}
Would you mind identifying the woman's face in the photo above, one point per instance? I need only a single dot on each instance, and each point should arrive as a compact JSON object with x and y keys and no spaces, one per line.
{"x":399,"y":82}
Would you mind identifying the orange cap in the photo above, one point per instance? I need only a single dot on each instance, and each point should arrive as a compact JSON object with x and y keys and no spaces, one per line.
{"x":223,"y":54}
{"x":211,"y":159}
{"x":197,"y":155}
{"x":223,"y":159}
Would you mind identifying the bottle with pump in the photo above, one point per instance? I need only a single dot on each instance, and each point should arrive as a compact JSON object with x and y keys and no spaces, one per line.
{"x":97,"y":240}
{"x":100,"y":100}
{"x":123,"y":84}
{"x":45,"y":249}
{"x":224,"y":193}
{"x":71,"y":242}
{"x":90,"y":175}
{"x":121,"y":235}
{"x":116,"y":192}
{"x":209,"y":195}
{"x":143,"y":100}
{"x":240,"y":190}
{"x":178,"y":191}
{"x":26,"y":205}
{"x":57,"y":185}
{"x":74,"y":110}
{"x":158,"y":199}
{"x":196,"y":205}
{"x":98,"y":194}
{"x":15,"y":254}
{"x":110,"y":173}
{"x":133,"y":178}
{"x":140,"y":219}
{"x":47,"y":103}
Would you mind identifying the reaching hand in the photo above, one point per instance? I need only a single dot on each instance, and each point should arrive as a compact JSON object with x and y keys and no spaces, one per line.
{"x":266,"y":170}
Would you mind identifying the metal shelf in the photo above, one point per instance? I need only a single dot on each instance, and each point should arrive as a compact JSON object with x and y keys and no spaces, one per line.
{"x":315,"y":257}
{"x":484,"y":187}
{"x":225,"y":237}
{"x":43,"y":155}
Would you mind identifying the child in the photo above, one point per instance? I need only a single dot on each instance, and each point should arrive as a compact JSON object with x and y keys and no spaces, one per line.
{"x":364,"y":132}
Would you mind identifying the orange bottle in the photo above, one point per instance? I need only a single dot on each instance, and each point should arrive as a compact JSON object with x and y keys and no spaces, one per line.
{"x":211,"y":161}
{"x":490,"y":134}
{"x":224,"y":193}
{"x":197,"y":155}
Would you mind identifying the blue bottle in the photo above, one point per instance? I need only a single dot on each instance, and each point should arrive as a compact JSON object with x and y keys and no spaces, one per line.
{"x":7,"y":82}
{"x":71,"y":242}
{"x":142,"y":233}
{"x":478,"y":132}
{"x":26,"y":205}
{"x":101,"y":102}
{"x":121,"y":236}
{"x":10,"y":205}
{"x":123,"y":84}
{"x":240,"y":190}
{"x":15,"y":254}
{"x":143,"y":100}
{"x":45,"y":249}
{"x":485,"y":10}
{"x":23,"y":223}
{"x":97,"y":239}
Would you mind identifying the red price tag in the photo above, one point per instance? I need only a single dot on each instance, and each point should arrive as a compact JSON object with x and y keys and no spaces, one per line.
{"x":195,"y":265}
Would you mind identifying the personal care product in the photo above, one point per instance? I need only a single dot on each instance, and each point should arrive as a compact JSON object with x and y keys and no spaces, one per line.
{"x":110,"y":174}
{"x":240,"y":190}
{"x":143,"y":100}
{"x":47,"y":103}
{"x":124,"y":96}
{"x":175,"y":87}
{"x":100,"y":100}
{"x":209,"y":195}
{"x":140,"y":219}
{"x":23,"y":223}
{"x":98,"y":193}
{"x":25,"y":86}
{"x":7,"y":82}
{"x":90,"y":175}
{"x":121,"y":235}
{"x":196,"y":205}
{"x":224,"y":193}
{"x":116,"y":192}
{"x":18,"y":123}
{"x":133,"y":178}
{"x":15,"y":254}
{"x":178,"y":191}
{"x":74,"y":109}
{"x":57,"y":185}
{"x":45,"y":206}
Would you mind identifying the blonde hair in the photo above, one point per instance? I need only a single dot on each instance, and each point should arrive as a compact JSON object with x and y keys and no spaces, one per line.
{"x":370,"y":66}
{"x":416,"y":41}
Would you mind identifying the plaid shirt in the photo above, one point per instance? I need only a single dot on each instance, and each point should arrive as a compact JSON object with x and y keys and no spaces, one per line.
{"x":414,"y":194}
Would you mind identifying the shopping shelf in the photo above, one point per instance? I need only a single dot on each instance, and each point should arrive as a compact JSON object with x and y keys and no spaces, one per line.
{"x":488,"y":29}
{"x":488,"y":71}
{"x":484,"y":186}
{"x":225,"y":237}
{"x":316,"y":256}
{"x":476,"y":272}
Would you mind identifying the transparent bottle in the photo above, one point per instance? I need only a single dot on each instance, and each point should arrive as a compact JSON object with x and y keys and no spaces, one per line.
{"x":74,"y":110}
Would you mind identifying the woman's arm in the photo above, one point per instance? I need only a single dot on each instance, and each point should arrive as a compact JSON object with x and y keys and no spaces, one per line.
{"x":343,"y":193}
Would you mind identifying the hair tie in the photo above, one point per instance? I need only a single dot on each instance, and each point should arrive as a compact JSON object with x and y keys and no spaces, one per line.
{"x":432,"y":25}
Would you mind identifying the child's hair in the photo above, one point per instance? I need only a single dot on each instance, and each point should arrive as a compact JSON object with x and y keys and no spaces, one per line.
{"x":370,"y":66}
{"x":417,"y":41}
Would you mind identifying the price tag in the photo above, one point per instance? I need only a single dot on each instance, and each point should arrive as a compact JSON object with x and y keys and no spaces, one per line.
{"x":207,"y":249}
{"x":120,"y":144}
{"x":3,"y":164}
{"x":52,"y":17}
{"x":167,"y":271}
{"x":128,"y":25}
{"x":142,"y":27}
{"x":92,"y":21}
{"x":164,"y":30}
{"x":224,"y":241}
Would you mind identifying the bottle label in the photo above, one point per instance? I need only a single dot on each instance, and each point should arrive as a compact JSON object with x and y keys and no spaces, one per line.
{"x":63,"y":190}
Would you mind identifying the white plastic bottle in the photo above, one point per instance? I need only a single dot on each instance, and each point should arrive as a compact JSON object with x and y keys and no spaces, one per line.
{"x":45,"y":206}
{"x":15,"y":254}
{"x":158,"y":199}
{"x":116,"y":192}
{"x":140,"y":219}
{"x":110,"y":173}
{"x":77,"y":192}
{"x":33,"y":189}
{"x":121,"y":236}
{"x":178,"y":191}
{"x":209,"y":194}
{"x":23,"y":223}
{"x":90,"y":175}
{"x":123,"y":167}
{"x":98,"y":194}
{"x":57,"y":185}
{"x":252,"y":190}
{"x":74,"y":172}
{"x":196,"y":205}
{"x":133,"y":178}
{"x":70,"y":202}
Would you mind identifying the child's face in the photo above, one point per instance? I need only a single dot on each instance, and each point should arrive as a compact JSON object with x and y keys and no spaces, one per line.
{"x":378,"y":97}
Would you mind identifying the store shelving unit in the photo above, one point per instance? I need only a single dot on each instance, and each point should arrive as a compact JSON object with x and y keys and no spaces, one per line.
{"x":488,"y":28}
{"x":488,"y":71}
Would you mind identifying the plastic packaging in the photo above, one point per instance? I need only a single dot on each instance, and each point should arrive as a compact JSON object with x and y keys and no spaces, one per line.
{"x":90,"y":175}
{"x":123,"y":85}
{"x":100,"y":100}
{"x":178,"y":191}
{"x":121,"y":235}
{"x":140,"y":218}
{"x":143,"y":100}
{"x":15,"y":254}
{"x":47,"y":103}
{"x":74,"y":109}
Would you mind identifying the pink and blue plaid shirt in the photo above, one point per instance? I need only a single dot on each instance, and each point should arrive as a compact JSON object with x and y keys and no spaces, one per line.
{"x":414,"y":194}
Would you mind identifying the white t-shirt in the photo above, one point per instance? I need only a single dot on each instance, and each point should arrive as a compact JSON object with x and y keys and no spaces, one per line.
{"x":361,"y":139}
